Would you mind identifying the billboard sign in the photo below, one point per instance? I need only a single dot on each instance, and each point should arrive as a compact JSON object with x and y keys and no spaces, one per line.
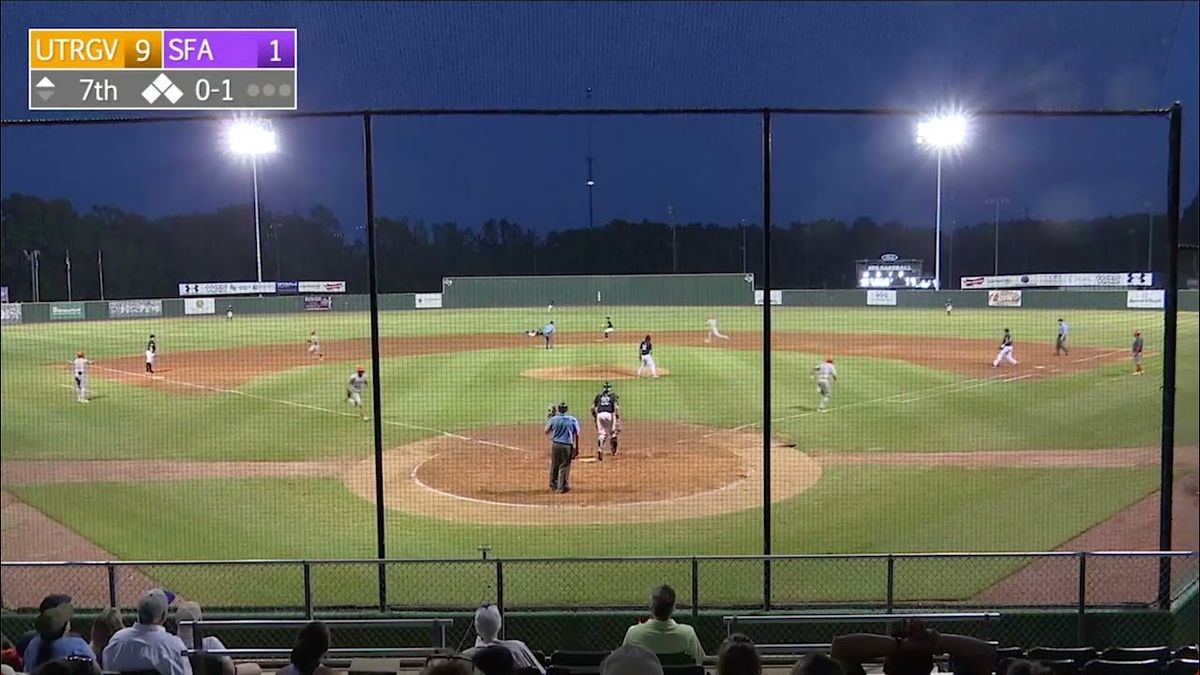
{"x":431,"y":300}
{"x":318,"y":303}
{"x":322,"y":287}
{"x":66,"y":311}
{"x":881,"y":298}
{"x":287,"y":287}
{"x":1145,"y":299}
{"x":1004,"y":298}
{"x":227,"y":288}
{"x":1084,"y":280}
{"x":776,"y":297}
{"x":10,"y":313}
{"x":125,"y":309}
{"x":194,"y":306}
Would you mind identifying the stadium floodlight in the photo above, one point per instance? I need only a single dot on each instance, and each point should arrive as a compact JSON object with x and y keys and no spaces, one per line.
{"x":941,"y":133}
{"x":253,"y":139}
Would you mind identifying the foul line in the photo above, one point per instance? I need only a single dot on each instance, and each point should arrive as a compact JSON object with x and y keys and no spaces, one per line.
{"x":305,"y":406}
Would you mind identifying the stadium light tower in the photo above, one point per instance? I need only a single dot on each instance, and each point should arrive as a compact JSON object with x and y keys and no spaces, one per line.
{"x":253,"y":139}
{"x":941,"y":133}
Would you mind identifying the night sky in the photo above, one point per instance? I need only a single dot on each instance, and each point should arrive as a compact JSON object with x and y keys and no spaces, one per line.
{"x":674,"y":54}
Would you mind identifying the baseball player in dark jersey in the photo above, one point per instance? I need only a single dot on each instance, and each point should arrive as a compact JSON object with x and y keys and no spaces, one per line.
{"x":607,"y":414}
{"x":1136,"y":352}
{"x":644,"y":350}
{"x":1006,"y":350}
{"x":608,"y":327}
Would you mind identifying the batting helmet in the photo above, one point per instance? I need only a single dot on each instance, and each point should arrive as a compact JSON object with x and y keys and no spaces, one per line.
{"x":360,"y":369}
{"x":562,"y":407}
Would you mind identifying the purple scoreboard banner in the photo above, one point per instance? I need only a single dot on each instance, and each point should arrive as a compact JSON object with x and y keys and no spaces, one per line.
{"x":216,"y":48}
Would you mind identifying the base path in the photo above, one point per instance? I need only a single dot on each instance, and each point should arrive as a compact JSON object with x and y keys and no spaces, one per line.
{"x":590,"y":373}
{"x":198,"y":372}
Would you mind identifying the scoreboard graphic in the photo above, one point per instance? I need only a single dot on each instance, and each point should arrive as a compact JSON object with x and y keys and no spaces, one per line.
{"x":162,"y":69}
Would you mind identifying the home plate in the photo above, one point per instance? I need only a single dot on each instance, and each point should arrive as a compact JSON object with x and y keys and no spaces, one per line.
{"x":1039,"y":367}
{"x":587,"y":459}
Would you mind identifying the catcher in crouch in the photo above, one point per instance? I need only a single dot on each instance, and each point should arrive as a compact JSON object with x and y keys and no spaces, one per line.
{"x":607,"y":414}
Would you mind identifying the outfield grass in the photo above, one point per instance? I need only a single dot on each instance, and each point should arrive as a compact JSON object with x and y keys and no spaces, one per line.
{"x":851,"y":508}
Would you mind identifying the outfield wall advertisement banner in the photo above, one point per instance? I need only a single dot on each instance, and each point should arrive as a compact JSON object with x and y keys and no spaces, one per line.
{"x":66,"y":311}
{"x":287,"y":287}
{"x":322,"y":287}
{"x":1146,"y":299}
{"x":881,"y":298}
{"x":200,"y":306}
{"x":1004,"y":298}
{"x":1088,"y":280}
{"x":318,"y":303}
{"x":776,"y":297}
{"x":10,"y":313}
{"x":434,"y":300}
{"x":125,"y":309}
{"x":3,"y":294}
{"x":227,"y":288}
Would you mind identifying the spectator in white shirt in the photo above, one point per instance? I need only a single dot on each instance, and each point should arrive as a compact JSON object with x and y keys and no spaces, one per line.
{"x":487,"y":627}
{"x":190,"y":611}
{"x":147,"y":645}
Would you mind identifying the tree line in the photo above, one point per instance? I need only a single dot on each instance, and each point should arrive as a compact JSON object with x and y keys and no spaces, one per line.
{"x":148,"y":257}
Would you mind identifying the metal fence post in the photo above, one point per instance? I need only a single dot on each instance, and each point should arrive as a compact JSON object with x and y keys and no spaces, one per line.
{"x":1081,"y":628}
{"x":376,"y":401}
{"x":695,"y":589}
{"x":308,"y":594}
{"x":1170,"y":352}
{"x":112,"y":586}
{"x":891,"y":583}
{"x":500,"y":592}
{"x":766,"y":332}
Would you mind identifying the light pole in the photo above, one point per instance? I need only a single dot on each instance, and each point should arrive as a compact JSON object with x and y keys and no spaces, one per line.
{"x":941,"y":133}
{"x":254,"y":139}
{"x":743,"y":245}
{"x":1149,"y":236}
{"x":674,"y":247}
{"x":70,"y":296}
{"x":32,"y":256}
{"x":997,"y":202}
{"x":591,"y":182}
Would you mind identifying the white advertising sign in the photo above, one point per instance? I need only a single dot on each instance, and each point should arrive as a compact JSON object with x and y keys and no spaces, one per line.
{"x":1084,"y":280}
{"x":882,"y":298}
{"x":429,"y":300}
{"x":227,"y":288}
{"x":322,"y":287}
{"x":200,"y":306}
{"x":776,"y":297}
{"x":10,"y":313}
{"x":1145,"y":299}
{"x":1004,"y":298}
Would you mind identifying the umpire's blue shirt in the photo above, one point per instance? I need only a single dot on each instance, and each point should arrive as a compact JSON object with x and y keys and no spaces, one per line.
{"x":563,"y":429}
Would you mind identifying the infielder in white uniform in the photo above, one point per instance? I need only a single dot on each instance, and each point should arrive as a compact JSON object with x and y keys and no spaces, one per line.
{"x":314,"y":345}
{"x":825,"y":375}
{"x":607,"y":414}
{"x":355,"y":388}
{"x":712,"y":330}
{"x":1006,"y":350}
{"x":149,"y":361}
{"x":79,"y":367}
{"x":644,"y":350}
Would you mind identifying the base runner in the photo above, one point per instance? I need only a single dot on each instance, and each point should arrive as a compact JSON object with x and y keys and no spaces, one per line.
{"x":1136,"y":352}
{"x":1060,"y":341}
{"x":644,"y":350}
{"x":79,"y":367}
{"x":607,"y":414}
{"x":712,"y":330}
{"x":1006,"y":350}
{"x":314,"y":345}
{"x":355,"y":388}
{"x":825,"y":375}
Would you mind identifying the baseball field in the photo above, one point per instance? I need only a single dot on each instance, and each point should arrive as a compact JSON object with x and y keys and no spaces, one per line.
{"x":242,"y":445}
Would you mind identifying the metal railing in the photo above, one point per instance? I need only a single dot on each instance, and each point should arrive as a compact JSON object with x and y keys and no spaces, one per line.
{"x":796,"y":648}
{"x":438,"y":628}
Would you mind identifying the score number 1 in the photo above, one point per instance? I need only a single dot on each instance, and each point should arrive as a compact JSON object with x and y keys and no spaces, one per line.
{"x":205,"y":90}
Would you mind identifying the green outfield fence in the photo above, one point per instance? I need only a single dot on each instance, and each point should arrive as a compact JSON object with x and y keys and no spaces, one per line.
{"x":553,"y":601}
{"x":647,"y":290}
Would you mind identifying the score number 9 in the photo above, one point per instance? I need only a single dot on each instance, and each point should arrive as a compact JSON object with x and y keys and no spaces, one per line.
{"x":143,"y":49}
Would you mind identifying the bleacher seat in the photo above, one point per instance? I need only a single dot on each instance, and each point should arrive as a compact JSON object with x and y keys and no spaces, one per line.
{"x":1182,"y":667}
{"x":374,"y":666}
{"x":680,"y":659}
{"x":1136,"y":654}
{"x":1103,"y":667}
{"x":529,"y":670}
{"x":573,"y":659}
{"x":1080,"y":655}
{"x":692,"y":669}
{"x":1009,"y":653}
{"x":1188,"y":652}
{"x":1061,"y":666}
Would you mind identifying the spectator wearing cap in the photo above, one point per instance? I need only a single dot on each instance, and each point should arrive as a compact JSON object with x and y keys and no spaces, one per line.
{"x":631,"y":660}
{"x":190,"y":611}
{"x":48,"y":602}
{"x":661,"y":634}
{"x":311,"y":646}
{"x":106,"y":625}
{"x":146,"y":645}
{"x":737,"y":656}
{"x":487,"y":630}
{"x":53,"y":640}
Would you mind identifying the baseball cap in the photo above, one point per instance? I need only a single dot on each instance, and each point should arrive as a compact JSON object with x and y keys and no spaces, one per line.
{"x":631,"y":660}
{"x":153,"y":604}
{"x":79,"y":354}
{"x":53,"y":600}
{"x":360,"y":369}
{"x":54,"y":621}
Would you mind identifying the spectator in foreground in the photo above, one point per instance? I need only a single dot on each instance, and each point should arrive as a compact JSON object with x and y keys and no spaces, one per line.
{"x":146,"y":645}
{"x":9,"y":656}
{"x":1021,"y":667}
{"x":487,"y":630}
{"x":494,"y":660}
{"x":107,"y":623}
{"x":448,"y":664}
{"x":49,"y":602}
{"x":311,"y":646}
{"x":661,"y":634}
{"x":54,"y":640}
{"x":737,"y":656}
{"x":817,"y":664}
{"x":629,"y":659}
{"x":190,"y":611}
{"x":910,"y":649}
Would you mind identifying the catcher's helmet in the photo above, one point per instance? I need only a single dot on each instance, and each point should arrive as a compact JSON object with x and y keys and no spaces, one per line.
{"x":607,"y":387}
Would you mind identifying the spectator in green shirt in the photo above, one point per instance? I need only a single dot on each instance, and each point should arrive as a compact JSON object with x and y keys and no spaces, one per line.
{"x":661,"y":634}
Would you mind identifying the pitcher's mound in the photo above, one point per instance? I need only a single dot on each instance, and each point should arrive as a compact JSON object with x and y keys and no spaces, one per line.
{"x":588,"y":373}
